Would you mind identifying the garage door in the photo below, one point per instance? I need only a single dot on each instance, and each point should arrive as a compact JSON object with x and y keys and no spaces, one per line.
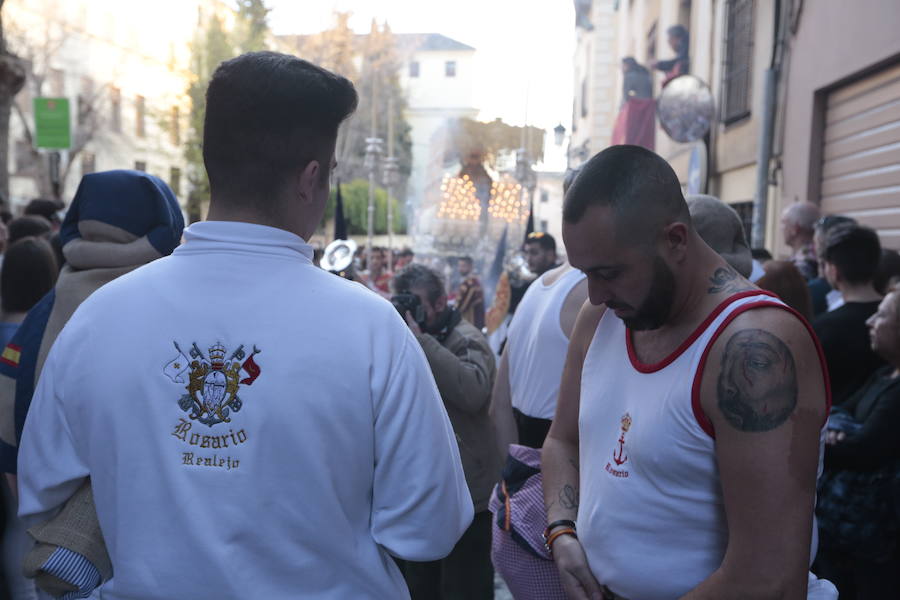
{"x":861,"y":160}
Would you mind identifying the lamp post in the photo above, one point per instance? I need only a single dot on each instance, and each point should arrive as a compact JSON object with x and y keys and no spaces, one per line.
{"x":526,"y":175}
{"x":373,"y":149}
{"x":390,"y":179}
{"x":559,"y":134}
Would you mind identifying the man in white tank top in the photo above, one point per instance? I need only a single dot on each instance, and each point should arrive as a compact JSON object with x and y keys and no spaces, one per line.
{"x":686,"y":438}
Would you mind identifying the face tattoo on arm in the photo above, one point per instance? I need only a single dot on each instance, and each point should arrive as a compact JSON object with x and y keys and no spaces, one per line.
{"x":757,"y":388}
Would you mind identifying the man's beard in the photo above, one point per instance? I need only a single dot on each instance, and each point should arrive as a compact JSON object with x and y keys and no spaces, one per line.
{"x":654,"y":311}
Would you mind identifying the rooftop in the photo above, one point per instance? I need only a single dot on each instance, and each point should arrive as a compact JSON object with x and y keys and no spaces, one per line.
{"x":406,"y":42}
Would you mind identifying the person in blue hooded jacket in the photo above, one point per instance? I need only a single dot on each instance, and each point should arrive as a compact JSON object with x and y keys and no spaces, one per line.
{"x":118,"y":221}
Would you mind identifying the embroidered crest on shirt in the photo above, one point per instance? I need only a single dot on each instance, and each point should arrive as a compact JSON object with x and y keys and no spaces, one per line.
{"x":619,"y":455}
{"x":213,"y":381}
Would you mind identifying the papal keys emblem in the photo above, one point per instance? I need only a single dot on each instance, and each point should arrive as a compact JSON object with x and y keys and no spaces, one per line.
{"x":213,"y":380}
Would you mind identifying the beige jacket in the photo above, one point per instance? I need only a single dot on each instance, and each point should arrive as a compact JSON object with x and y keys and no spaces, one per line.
{"x":463,"y":367}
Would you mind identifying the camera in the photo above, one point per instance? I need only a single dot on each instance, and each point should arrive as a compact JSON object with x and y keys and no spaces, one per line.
{"x":410,"y":303}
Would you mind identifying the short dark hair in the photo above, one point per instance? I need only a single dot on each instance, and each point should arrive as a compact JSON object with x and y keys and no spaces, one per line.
{"x":854,"y":250}
{"x":888,"y":270}
{"x":639,"y":185}
{"x":268,"y":114}
{"x":465,"y":259}
{"x":28,"y":226}
{"x":416,"y":275}
{"x":827,"y":222}
{"x":405,"y":252}
{"x":569,"y":178}
{"x":29,"y":271}
{"x":542,"y":239}
{"x":46,"y":208}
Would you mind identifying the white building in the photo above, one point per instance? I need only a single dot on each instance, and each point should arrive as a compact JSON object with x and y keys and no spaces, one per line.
{"x":125,"y":72}
{"x":596,"y":79}
{"x":438,"y":79}
{"x":548,"y":205}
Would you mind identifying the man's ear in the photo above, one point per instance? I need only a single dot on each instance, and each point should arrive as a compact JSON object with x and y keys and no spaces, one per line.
{"x":308,"y":180}
{"x":675,"y":238}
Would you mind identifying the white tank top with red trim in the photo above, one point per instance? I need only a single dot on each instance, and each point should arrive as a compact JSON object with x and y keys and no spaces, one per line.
{"x":651,"y":516}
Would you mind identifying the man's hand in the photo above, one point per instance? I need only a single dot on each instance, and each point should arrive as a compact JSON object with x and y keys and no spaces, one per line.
{"x":413,"y":326}
{"x":574,"y":572}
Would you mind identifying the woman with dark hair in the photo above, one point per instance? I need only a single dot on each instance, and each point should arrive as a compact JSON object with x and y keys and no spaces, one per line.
{"x":29,"y":226}
{"x":888,"y":270}
{"x":858,"y":524}
{"x":29,"y":272}
{"x":785,"y":280}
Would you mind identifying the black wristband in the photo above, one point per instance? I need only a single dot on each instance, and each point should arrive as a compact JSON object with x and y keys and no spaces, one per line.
{"x":560,"y":522}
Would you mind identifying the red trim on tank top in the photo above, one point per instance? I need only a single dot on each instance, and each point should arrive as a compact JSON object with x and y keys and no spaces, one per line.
{"x":651,"y":368}
{"x":702,"y":420}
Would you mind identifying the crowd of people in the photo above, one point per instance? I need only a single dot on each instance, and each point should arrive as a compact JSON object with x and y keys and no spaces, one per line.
{"x":203,"y":412}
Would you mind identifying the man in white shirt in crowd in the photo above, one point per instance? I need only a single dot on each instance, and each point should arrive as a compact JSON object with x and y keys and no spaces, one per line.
{"x":253,"y":426}
{"x":682,"y":459}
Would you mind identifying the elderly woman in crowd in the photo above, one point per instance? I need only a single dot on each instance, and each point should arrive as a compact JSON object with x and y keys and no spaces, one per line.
{"x":857,"y":497}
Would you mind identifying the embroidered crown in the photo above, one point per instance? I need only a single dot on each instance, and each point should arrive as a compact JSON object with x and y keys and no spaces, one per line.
{"x":217,"y":354}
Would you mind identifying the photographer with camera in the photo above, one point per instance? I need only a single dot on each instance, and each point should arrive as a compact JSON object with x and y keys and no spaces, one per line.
{"x":463,"y":367}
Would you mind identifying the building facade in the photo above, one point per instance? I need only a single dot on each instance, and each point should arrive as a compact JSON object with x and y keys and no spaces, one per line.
{"x":806,"y":99}
{"x":595,"y":78}
{"x":548,"y":205}
{"x":437,"y":77}
{"x":125,"y":74}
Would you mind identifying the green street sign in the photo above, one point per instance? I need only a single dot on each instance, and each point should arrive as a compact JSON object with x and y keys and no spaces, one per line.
{"x":51,"y":120}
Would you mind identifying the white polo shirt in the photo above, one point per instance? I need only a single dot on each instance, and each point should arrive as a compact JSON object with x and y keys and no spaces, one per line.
{"x":253,"y":426}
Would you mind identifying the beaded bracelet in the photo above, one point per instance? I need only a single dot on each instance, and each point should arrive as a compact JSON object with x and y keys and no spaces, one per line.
{"x":556,"y":534}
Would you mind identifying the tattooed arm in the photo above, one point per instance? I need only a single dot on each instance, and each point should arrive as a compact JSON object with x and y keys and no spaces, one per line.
{"x":559,"y":462}
{"x":763,"y":391}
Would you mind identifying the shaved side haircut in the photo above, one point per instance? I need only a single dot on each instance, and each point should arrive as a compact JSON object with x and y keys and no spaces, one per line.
{"x":641,"y":187}
{"x":267,"y":116}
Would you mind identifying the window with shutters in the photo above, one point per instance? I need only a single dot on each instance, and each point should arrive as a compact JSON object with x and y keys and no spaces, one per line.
{"x":85,"y":101}
{"x":175,"y":130}
{"x":175,"y":180}
{"x":140,"y":126}
{"x":651,"y":43}
{"x":584,"y":92}
{"x":745,"y":212}
{"x":140,"y":165}
{"x":737,"y":69}
{"x":115,"y":109}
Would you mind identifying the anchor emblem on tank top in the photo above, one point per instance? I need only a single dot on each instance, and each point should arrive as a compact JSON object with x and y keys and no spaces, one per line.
{"x":619,"y":456}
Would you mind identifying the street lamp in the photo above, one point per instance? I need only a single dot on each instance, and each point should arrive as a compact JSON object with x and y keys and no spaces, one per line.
{"x":559,"y":134}
{"x":390,"y":180}
{"x":373,"y":149}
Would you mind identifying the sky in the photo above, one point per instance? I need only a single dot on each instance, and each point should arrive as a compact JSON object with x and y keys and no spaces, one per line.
{"x":524,"y":48}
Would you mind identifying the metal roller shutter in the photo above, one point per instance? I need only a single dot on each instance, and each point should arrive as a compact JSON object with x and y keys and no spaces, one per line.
{"x":861,"y":155}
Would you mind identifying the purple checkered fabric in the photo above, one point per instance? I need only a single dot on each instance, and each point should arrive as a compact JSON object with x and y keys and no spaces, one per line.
{"x":527,"y":576}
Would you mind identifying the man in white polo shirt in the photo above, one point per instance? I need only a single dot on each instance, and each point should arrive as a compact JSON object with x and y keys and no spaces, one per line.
{"x":253,"y":426}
